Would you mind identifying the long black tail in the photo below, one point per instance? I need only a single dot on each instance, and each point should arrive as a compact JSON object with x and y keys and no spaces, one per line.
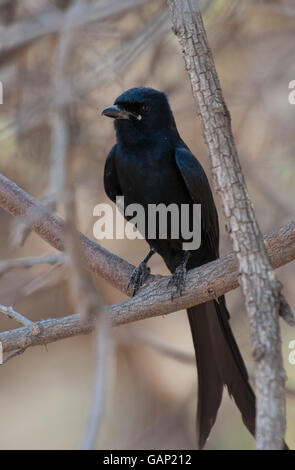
{"x":219,"y":363}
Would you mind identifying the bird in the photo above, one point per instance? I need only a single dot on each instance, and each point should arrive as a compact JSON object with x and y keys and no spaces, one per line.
{"x":151,"y":164}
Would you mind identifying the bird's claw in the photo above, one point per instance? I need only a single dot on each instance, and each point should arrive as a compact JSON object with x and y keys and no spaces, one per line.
{"x":138,"y":277}
{"x":177,"y":281}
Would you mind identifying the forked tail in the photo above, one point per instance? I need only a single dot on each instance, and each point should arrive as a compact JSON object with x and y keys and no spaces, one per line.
{"x":219,"y":363}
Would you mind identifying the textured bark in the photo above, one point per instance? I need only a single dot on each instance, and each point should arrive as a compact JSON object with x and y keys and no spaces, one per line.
{"x":51,"y":228}
{"x":202,"y":284}
{"x":215,"y":278}
{"x":260,"y":287}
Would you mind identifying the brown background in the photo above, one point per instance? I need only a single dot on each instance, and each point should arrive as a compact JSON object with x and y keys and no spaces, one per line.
{"x":151,"y":397}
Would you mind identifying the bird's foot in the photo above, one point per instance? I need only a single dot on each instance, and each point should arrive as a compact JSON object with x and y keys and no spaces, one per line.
{"x":138,"y":277}
{"x":177,"y":281}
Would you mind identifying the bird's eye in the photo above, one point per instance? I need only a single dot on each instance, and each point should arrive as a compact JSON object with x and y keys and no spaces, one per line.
{"x":144,"y":108}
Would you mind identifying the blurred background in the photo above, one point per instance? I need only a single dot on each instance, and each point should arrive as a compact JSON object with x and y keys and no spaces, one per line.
{"x":152,"y":381}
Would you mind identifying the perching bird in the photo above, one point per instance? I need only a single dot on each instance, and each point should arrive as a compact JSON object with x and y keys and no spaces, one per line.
{"x":150,"y":164}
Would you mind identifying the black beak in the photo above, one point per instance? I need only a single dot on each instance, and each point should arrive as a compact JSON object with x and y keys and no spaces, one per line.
{"x":117,"y":113}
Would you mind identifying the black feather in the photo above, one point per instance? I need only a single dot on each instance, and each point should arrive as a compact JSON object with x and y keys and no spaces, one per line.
{"x":151,"y":165}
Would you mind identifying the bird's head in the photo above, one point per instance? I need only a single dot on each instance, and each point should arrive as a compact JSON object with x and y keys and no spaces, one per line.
{"x":140,"y":113}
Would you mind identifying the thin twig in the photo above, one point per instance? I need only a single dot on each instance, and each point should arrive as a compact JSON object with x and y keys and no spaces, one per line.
{"x":49,"y":278}
{"x":13,"y":315}
{"x":151,"y":341}
{"x":11,"y":355}
{"x":50,"y":258}
{"x":51,"y":22}
{"x":83,"y":82}
{"x":59,"y":133}
{"x":84,"y":296}
{"x":101,"y":360}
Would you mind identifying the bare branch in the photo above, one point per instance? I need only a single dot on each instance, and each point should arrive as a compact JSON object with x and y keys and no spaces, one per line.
{"x":50,"y":258}
{"x":101,"y":360}
{"x":261,"y":289}
{"x":280,"y":244}
{"x":85,"y":297}
{"x":11,"y":355}
{"x":51,"y":277}
{"x":51,"y":228}
{"x":13,"y":315}
{"x":51,"y":22}
{"x":83,"y":82}
{"x":59,"y":133}
{"x":202,"y":284}
{"x":142,"y":338}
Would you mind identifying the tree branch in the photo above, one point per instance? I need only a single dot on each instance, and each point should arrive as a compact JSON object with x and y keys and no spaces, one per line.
{"x":22,"y":33}
{"x":51,"y":228}
{"x":10,"y":313}
{"x":262,"y":291}
{"x":28,"y":262}
{"x":14,"y":200}
{"x":202,"y":284}
{"x":35,"y":112}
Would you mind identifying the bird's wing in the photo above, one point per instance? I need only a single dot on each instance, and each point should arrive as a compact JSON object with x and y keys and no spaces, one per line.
{"x":111,"y":182}
{"x":198,"y":186}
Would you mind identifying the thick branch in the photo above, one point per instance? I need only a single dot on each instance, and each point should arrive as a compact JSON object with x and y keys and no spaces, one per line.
{"x":14,"y":200}
{"x":202,"y":284}
{"x":259,"y":284}
{"x":51,"y":228}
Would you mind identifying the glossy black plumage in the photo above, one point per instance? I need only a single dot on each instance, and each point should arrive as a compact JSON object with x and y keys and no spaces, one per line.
{"x":150,"y":164}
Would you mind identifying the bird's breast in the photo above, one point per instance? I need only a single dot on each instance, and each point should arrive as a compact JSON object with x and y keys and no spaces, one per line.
{"x":148,"y":177}
{"x":152,"y":178}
